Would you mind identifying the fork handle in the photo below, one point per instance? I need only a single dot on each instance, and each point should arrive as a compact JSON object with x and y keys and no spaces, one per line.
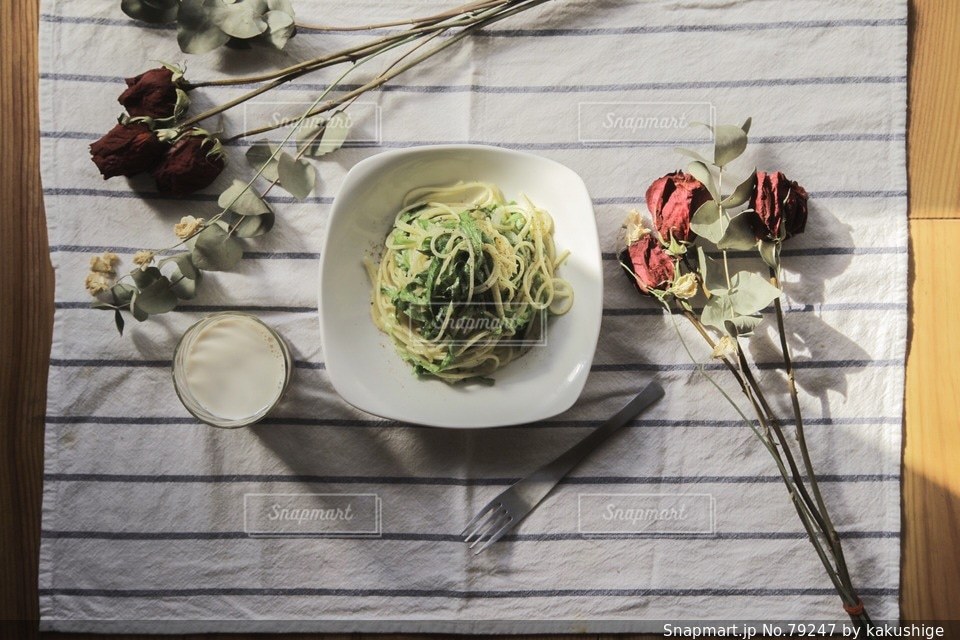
{"x":538,"y":484}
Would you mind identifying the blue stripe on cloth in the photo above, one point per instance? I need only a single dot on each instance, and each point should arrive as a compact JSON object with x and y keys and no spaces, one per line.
{"x":443,"y":481}
{"x":212,"y":197}
{"x":308,"y":255}
{"x":454,"y":594}
{"x":598,"y":368}
{"x":549,"y":146}
{"x":542,"y":33}
{"x":207,"y":308}
{"x":350,"y":422}
{"x":679,"y":85}
{"x":644,"y":311}
{"x":147,"y":364}
{"x":449,"y":537}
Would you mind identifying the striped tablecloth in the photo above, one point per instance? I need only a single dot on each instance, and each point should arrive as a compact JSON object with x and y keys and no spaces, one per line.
{"x":143,"y":507}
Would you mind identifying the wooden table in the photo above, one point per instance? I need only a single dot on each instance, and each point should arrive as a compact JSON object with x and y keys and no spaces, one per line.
{"x":931,"y":474}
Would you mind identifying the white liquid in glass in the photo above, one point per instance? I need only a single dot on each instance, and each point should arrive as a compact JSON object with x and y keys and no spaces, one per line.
{"x":235,"y":368}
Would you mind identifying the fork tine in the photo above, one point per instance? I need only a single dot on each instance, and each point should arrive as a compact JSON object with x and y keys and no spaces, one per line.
{"x":496,"y":536}
{"x":481,"y":521}
{"x":480,"y":514}
{"x":492,"y":527}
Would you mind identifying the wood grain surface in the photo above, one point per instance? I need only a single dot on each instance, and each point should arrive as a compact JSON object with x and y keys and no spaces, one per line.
{"x":931,"y":483}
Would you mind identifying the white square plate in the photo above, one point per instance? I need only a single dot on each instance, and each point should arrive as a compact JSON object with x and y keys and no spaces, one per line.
{"x":361,"y":361}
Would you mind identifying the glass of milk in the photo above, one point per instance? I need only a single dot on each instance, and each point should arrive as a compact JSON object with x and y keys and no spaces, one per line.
{"x":230,"y":369}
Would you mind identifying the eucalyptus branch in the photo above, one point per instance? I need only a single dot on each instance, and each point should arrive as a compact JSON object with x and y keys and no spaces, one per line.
{"x":402,"y":22}
{"x":803,"y":508}
{"x":467,"y":16}
{"x":387,"y":76}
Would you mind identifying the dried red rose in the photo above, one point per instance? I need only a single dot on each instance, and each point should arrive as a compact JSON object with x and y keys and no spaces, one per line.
{"x":126,"y":150}
{"x":151,"y":94}
{"x":672,"y":201}
{"x":191,"y":164}
{"x":780,"y":206}
{"x":651,"y":266}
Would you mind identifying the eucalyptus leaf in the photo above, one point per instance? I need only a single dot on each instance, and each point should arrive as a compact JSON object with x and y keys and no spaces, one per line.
{"x":261,"y":153}
{"x":690,"y":153}
{"x":118,"y":320}
{"x":186,"y":267}
{"x":183,"y":287}
{"x":157,"y":298}
{"x":770,"y":252}
{"x":215,"y":250}
{"x":335,"y":134}
{"x":122,"y":293}
{"x":281,"y":5}
{"x":717,"y":311}
{"x":296,"y":176}
{"x":739,"y":235}
{"x":103,"y":306}
{"x":196,"y":31}
{"x":742,"y":325}
{"x":751,"y":293}
{"x":280,"y":28}
{"x":252,"y":226}
{"x":138,"y":313}
{"x":243,"y":200}
{"x":309,"y":133}
{"x":714,"y":278}
{"x":742,"y":193}
{"x":143,"y":278}
{"x":729,"y":142}
{"x":708,"y":222}
{"x":700,"y":171}
{"x":152,"y":11}
{"x":240,"y":19}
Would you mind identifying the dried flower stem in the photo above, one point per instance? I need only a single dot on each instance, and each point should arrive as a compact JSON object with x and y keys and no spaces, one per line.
{"x":829,"y":530}
{"x":811,"y":510}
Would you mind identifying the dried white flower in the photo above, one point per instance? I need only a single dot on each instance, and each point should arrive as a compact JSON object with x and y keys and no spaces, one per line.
{"x":684,"y":287}
{"x":187,"y":226}
{"x":634,"y":226}
{"x":104,"y":263}
{"x":726,"y":346}
{"x":97,"y":282}
{"x":143,"y":258}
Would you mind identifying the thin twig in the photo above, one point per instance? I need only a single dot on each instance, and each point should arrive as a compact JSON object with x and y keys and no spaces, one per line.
{"x":401,"y":22}
{"x":386,"y":77}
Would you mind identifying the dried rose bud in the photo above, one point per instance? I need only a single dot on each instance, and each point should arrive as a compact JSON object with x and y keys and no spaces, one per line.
{"x":152,"y":94}
{"x":126,"y":150}
{"x":191,"y":164}
{"x":672,"y":200}
{"x":780,"y":207}
{"x":651,"y":267}
{"x":685,"y":286}
{"x":635,"y":229}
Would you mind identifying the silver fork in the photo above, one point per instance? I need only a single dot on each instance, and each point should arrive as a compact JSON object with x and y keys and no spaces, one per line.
{"x":509,"y":508}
